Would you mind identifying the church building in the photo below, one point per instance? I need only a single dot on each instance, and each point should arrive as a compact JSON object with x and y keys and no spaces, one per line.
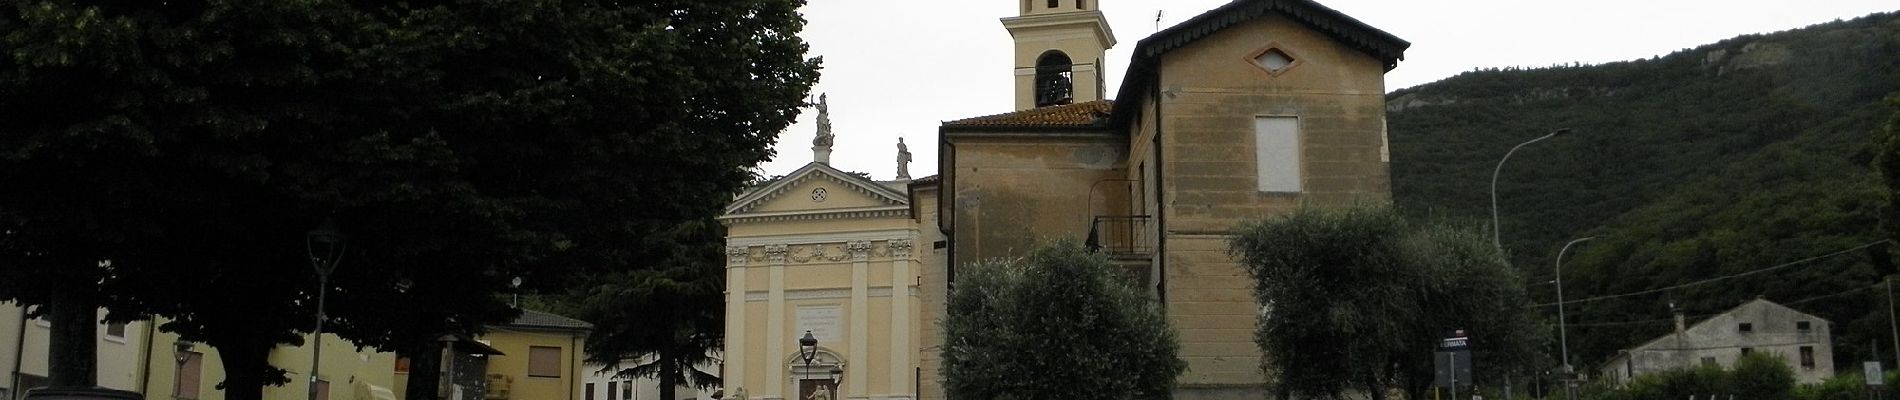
{"x":1243,"y":112}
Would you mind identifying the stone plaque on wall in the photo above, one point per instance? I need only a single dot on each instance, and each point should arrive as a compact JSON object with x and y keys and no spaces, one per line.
{"x":825,"y":322}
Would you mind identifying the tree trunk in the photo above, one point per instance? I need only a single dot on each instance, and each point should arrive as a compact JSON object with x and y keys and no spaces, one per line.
{"x":425,"y":366}
{"x":72,"y":346}
{"x":668,"y":378}
{"x":246,"y":367}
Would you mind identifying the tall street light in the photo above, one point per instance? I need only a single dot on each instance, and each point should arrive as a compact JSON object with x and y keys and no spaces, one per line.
{"x":325,"y":247}
{"x":1495,"y":239}
{"x":1563,"y":340}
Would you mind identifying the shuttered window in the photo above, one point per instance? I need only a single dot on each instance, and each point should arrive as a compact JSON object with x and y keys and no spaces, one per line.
{"x":1277,"y":154}
{"x":544,"y":362}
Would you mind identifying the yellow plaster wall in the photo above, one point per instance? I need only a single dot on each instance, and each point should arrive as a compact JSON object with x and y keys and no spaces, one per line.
{"x":343,"y":367}
{"x":515,"y":344}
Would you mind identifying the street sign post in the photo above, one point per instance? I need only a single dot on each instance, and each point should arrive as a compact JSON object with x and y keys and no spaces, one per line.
{"x":1452,"y":362}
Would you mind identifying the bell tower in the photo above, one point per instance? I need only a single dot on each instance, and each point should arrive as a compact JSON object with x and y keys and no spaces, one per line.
{"x":1060,"y":45}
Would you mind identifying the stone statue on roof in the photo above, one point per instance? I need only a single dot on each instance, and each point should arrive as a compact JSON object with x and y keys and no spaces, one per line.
{"x":903,"y":160}
{"x":824,"y":137}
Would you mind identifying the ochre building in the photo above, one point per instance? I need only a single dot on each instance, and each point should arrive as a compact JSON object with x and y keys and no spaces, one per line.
{"x":1243,"y":112}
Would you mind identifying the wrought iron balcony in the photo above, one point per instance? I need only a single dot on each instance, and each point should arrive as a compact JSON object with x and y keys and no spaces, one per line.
{"x":1127,"y":235}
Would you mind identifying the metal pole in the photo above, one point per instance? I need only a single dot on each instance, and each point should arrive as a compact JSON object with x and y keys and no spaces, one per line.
{"x":1495,"y":230}
{"x":1562,"y":336}
{"x":316,"y":353}
{"x":1891,"y":325}
{"x":1453,"y":358}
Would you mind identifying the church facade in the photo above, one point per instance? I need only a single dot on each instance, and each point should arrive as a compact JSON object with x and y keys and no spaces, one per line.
{"x":1243,"y":112}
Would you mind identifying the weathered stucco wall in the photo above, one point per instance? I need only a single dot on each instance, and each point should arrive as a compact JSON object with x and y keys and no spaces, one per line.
{"x":1211,"y":93}
{"x":1013,"y":193}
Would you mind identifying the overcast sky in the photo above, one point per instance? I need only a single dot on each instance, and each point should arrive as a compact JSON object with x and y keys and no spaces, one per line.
{"x":900,"y":68}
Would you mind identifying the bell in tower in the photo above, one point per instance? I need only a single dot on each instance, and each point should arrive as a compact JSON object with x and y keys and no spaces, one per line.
{"x":1060,"y":45}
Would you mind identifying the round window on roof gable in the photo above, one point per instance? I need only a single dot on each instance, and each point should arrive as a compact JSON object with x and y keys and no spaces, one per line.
{"x":1274,"y":59}
{"x":819,"y":195}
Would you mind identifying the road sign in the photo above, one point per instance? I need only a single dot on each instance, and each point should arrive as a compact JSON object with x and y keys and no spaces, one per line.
{"x":1871,"y":370}
{"x":1451,"y":368}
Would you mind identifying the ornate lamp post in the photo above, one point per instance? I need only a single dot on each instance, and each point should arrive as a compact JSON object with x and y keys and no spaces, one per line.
{"x":837,"y":375}
{"x":325,"y":247}
{"x":808,"y":349}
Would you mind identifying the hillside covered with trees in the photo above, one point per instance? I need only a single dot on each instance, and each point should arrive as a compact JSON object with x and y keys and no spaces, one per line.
{"x":1749,"y":153}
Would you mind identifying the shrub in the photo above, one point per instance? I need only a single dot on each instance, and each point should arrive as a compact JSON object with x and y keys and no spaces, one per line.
{"x":1059,"y":326}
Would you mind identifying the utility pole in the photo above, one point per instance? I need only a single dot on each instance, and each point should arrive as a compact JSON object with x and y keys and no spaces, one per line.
{"x":1893,"y":326}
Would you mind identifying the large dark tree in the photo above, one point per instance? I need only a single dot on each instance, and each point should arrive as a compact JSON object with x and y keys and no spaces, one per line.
{"x":459,"y":143}
{"x":662,"y":318}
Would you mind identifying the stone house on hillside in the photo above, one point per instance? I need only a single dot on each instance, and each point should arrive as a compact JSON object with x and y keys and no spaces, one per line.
{"x":1756,"y":326}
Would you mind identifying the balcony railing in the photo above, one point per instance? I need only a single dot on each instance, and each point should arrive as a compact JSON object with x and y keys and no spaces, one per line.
{"x":1127,"y":235}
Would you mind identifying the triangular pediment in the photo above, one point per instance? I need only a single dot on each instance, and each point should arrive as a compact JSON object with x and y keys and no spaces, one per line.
{"x":817,"y":189}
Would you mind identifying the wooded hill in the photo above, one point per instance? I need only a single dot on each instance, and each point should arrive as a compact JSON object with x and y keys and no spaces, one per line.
{"x":1731,"y":157}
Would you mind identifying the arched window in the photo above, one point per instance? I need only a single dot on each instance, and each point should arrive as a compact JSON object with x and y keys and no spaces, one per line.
{"x":1053,"y":83}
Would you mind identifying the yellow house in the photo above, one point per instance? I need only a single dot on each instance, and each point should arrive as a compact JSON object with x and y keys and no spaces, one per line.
{"x":23,"y":352}
{"x":182,"y":370}
{"x":541,"y":358}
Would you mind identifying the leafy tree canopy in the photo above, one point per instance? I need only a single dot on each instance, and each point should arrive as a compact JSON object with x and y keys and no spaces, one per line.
{"x":1056,"y":325}
{"x":1356,"y":298}
{"x":459,"y":143}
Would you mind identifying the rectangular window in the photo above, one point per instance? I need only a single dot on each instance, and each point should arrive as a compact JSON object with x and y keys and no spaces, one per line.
{"x":115,"y":329}
{"x":1746,"y":327}
{"x":1802,"y":326}
{"x":1746,"y":350}
{"x":589,"y":392}
{"x":402,"y":365}
{"x":1277,"y":153}
{"x":544,"y":362}
{"x":626,"y":390}
{"x":613,"y":390}
{"x":1081,"y":4}
{"x":189,"y":376}
{"x":323,"y":390}
{"x":1807,"y":357}
{"x":1052,"y":3}
{"x":1708,"y":361}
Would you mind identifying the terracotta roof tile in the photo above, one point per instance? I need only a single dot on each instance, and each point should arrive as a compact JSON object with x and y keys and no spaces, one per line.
{"x":539,"y":319}
{"x":1084,"y":114}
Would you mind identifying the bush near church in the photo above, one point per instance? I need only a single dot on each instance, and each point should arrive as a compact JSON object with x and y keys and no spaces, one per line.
{"x":1058,"y":325}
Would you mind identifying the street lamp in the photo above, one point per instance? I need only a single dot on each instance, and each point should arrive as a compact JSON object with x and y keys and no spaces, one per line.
{"x":1563,"y":340}
{"x":808,"y":349}
{"x":1495,"y":239}
{"x":325,"y":247}
{"x":837,"y":375}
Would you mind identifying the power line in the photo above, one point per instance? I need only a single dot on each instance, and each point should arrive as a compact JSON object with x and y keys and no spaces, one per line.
{"x":1712,"y":280}
{"x":1700,"y":316}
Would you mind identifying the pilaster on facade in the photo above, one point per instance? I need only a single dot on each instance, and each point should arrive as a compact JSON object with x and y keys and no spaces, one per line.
{"x":860,"y":323}
{"x":775,"y":335}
